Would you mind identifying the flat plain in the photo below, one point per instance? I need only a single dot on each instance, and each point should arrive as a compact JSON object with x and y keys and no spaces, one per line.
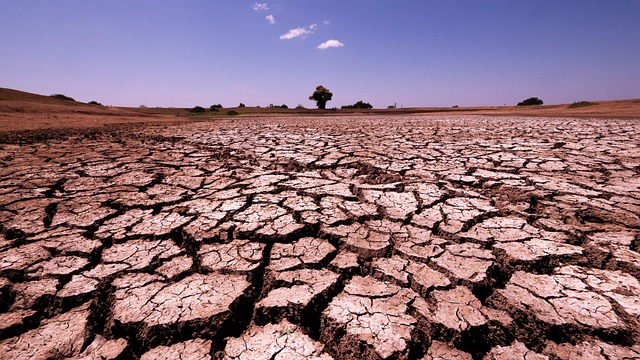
{"x":343,"y":237}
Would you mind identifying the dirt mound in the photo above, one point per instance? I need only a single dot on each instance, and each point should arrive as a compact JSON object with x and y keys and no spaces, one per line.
{"x":22,"y":112}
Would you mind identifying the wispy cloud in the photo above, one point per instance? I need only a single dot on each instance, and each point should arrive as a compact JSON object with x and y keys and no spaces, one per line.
{"x":260,"y":6}
{"x":298,"y":32}
{"x":326,"y":22}
{"x":294,"y":33}
{"x":270,"y":19}
{"x":330,"y":44}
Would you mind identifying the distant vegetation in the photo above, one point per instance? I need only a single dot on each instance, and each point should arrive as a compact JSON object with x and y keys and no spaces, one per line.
{"x":530,"y":102}
{"x":233,"y":112}
{"x":581,"y":104}
{"x":321,"y":96}
{"x":62,"y":97}
{"x":359,"y":105}
{"x":241,"y":105}
{"x":94,"y":103}
{"x":215,"y":106}
{"x":197,"y":110}
{"x":283,"y":106}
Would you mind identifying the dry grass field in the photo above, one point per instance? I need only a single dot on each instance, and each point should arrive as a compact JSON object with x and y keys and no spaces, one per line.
{"x":486,"y":233}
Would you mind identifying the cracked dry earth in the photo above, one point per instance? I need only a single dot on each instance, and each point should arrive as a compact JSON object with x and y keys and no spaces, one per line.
{"x":332,"y":238}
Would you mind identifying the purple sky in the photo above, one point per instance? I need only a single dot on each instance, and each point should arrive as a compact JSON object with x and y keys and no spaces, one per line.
{"x":413,"y":53}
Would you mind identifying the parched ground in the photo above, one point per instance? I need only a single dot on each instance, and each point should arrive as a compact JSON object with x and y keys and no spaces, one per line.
{"x":408,"y":237}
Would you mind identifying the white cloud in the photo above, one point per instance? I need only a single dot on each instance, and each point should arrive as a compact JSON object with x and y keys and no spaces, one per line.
{"x":270,"y":19}
{"x":330,"y":44}
{"x":326,"y":22}
{"x":297,"y":32}
{"x":294,"y":33}
{"x":260,"y":6}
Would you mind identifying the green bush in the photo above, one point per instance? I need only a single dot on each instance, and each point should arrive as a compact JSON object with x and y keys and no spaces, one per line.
{"x":197,"y":110}
{"x":579,"y":104}
{"x":62,"y":97}
{"x":359,"y":105}
{"x":283,"y":106}
{"x":530,"y":102}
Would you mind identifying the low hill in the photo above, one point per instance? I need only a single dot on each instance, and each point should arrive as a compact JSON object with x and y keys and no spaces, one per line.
{"x":20,"y":111}
{"x":16,"y":95}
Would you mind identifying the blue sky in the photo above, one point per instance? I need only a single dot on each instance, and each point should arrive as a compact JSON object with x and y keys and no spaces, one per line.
{"x":184,"y":53}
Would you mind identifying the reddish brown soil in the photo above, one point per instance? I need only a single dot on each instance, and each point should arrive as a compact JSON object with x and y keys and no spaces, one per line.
{"x":17,"y":116}
{"x":365,"y":237}
{"x":21,"y":111}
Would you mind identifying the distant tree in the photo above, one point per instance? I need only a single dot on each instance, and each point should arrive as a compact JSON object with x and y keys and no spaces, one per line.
{"x":391,"y":107}
{"x":241,"y":105}
{"x":300,"y":107}
{"x":321,"y":96}
{"x":62,"y":97}
{"x":284,"y":106}
{"x":197,"y":110}
{"x":94,"y":103}
{"x":530,"y":101}
{"x":215,"y":106}
{"x":359,"y":105}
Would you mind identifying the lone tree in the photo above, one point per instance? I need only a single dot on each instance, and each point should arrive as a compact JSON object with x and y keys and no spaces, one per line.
{"x":530,"y":101}
{"x":321,"y":96}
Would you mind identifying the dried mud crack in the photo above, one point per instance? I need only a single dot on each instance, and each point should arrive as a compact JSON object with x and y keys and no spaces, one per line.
{"x":333,"y":238}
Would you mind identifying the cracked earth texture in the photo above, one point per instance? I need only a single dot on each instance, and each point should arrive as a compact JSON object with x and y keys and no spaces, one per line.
{"x":332,"y":238}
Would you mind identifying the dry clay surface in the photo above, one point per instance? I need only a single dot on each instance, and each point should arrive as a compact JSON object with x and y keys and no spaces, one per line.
{"x":341,"y":238}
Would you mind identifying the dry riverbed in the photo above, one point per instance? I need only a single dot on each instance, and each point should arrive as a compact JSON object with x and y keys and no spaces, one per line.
{"x":404,"y":237}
